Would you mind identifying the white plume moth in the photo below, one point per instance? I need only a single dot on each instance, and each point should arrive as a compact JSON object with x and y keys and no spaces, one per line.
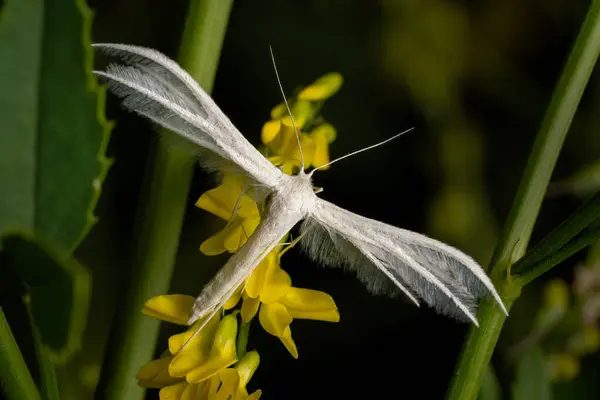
{"x":384,"y":257}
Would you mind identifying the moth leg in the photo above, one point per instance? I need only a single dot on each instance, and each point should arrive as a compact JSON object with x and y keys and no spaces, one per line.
{"x":236,"y":207}
{"x":290,"y":244}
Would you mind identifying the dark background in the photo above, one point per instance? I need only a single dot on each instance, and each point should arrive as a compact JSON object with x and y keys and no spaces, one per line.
{"x":472,"y":77}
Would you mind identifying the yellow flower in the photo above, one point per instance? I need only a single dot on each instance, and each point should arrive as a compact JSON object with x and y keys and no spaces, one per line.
{"x":270,"y":289}
{"x":323,"y":88}
{"x":284,"y":145}
{"x":234,"y":380}
{"x":322,"y":135}
{"x":242,"y":221}
{"x":194,"y":356}
{"x":202,"y":370}
{"x":279,"y":136}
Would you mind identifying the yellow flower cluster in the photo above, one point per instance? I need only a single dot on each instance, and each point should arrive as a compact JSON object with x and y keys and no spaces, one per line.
{"x":270,"y":289}
{"x":204,"y":365}
{"x":315,"y":136}
{"x":198,"y":365}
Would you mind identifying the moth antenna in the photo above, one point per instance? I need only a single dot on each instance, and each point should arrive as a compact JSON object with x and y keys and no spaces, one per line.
{"x":287,"y":106}
{"x":361,"y":150}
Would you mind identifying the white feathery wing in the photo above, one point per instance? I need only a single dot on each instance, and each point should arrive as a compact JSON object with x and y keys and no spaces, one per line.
{"x":155,"y":87}
{"x":385,"y":257}
{"x":444,"y":277}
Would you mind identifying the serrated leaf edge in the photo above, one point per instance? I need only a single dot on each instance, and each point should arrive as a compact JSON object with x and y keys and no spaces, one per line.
{"x":87,"y":15}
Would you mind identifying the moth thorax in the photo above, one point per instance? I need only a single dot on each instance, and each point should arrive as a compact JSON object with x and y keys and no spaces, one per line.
{"x":297,"y":193}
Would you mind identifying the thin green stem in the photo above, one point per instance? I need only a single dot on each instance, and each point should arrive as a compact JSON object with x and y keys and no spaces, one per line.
{"x":161,"y":213}
{"x":242,"y":339}
{"x":48,"y":379}
{"x":587,"y":238}
{"x":531,"y":265}
{"x":480,"y":343}
{"x":16,"y":382}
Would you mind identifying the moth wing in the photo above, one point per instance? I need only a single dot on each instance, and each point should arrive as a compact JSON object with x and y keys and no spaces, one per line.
{"x":387,"y":258}
{"x":155,"y":87}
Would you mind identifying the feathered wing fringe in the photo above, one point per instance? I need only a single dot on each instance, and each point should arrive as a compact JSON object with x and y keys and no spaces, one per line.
{"x":387,"y":258}
{"x":155,"y":87}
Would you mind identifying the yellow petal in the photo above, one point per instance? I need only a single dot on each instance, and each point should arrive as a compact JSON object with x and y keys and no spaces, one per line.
{"x":229,"y":384}
{"x":202,"y":338}
{"x":213,"y":386}
{"x":308,"y":299}
{"x":155,"y":374}
{"x":322,"y":135}
{"x":324,"y":87}
{"x":276,"y":160}
{"x":257,"y":278}
{"x":247,"y":366}
{"x":249,"y":309}
{"x":239,"y":230}
{"x":173,"y":308}
{"x":195,"y":391}
{"x":288,"y":342}
{"x":274,"y":318}
{"x":221,"y":200}
{"x":255,"y":396}
{"x":222,"y":352}
{"x":278,"y":111}
{"x":302,"y":111}
{"x":320,"y":315}
{"x":196,"y":350}
{"x":250,"y":224}
{"x":215,"y":244}
{"x":209,"y":369}
{"x":286,"y":146}
{"x":321,"y":152}
{"x":328,"y":131}
{"x":234,"y":299}
{"x":173,"y":392}
{"x":236,"y":236}
{"x":277,"y":283}
{"x":270,"y":130}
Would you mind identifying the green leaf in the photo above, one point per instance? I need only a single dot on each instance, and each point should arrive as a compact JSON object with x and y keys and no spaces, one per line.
{"x":576,"y":232}
{"x":533,"y":377}
{"x":15,"y":379}
{"x":52,"y":164}
{"x":58,"y":292}
{"x":54,"y":134}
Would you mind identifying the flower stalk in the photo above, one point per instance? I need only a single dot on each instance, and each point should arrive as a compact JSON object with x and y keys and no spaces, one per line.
{"x":15,"y":380}
{"x":160,"y":217}
{"x":480,"y":342}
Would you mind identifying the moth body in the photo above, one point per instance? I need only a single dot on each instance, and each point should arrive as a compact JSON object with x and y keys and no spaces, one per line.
{"x":287,"y":207}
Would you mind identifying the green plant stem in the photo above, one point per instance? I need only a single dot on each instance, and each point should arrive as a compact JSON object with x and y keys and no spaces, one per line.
{"x":242,"y":340}
{"x":16,"y":382}
{"x":480,"y":343}
{"x":47,"y":372}
{"x":587,"y":238}
{"x":531,"y":264}
{"x":161,"y":213}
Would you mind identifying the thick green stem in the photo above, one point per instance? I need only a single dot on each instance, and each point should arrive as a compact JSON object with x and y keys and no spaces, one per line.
{"x":16,"y":382}
{"x":161,"y":213}
{"x":480,"y":343}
